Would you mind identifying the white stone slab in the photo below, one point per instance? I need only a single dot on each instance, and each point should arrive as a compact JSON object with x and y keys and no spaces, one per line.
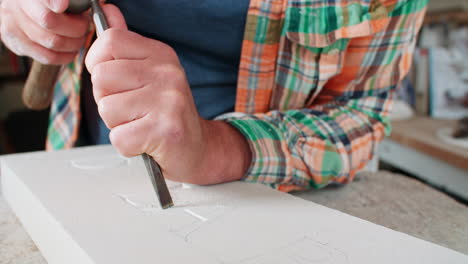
{"x":91,"y":206}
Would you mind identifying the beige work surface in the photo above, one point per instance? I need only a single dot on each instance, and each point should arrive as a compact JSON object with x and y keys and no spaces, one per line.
{"x":420,"y":133}
{"x":387,"y":199}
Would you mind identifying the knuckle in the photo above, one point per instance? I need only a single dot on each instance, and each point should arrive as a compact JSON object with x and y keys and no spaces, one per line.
{"x":4,"y":34}
{"x":13,"y":46}
{"x":120,"y":143}
{"x":9,"y":33}
{"x":3,"y":10}
{"x":169,"y":73}
{"x":89,"y":62}
{"x":50,"y":58}
{"x":16,"y":47}
{"x":173,"y":131}
{"x":113,"y":32}
{"x":6,"y":28}
{"x":168,"y":50}
{"x":99,"y":84}
{"x":48,"y":20}
{"x":54,"y":42}
{"x":96,"y":81}
{"x":112,"y":36}
{"x":171,"y":70}
{"x":96,"y":75}
{"x":103,"y":107}
{"x":177,"y":100}
{"x":175,"y":73}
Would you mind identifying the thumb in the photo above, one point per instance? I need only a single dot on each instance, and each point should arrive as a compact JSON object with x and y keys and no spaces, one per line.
{"x":114,"y":17}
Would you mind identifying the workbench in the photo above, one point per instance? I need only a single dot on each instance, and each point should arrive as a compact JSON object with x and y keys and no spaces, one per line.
{"x":414,"y":147}
{"x":387,"y":199}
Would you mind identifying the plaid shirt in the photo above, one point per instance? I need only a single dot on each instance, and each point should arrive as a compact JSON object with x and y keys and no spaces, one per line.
{"x":315,"y":87}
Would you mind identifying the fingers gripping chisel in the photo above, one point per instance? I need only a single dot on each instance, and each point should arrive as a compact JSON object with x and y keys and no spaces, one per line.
{"x":154,"y":171}
{"x":38,"y":91}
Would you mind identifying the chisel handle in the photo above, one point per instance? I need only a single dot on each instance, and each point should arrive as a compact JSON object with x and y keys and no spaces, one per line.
{"x":39,"y":88}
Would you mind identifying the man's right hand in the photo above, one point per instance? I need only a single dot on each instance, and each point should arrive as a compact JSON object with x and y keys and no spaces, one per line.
{"x":40,"y":29}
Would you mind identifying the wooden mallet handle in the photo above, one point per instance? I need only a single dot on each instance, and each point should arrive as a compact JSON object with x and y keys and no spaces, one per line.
{"x":39,"y":88}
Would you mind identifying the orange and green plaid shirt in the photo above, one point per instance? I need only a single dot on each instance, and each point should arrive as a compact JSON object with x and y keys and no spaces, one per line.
{"x":315,"y":87}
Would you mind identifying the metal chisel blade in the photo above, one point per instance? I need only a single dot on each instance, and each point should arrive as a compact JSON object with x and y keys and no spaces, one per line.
{"x":159,"y":183}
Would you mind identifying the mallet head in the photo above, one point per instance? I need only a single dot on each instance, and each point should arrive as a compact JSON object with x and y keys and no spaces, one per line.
{"x":78,"y":6}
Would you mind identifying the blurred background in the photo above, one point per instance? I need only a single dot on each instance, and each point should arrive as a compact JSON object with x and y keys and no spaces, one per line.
{"x":430,"y":135}
{"x":21,"y":130}
{"x":430,"y":118}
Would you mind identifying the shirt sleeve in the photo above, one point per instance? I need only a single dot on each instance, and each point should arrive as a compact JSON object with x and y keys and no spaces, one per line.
{"x":337,"y":134}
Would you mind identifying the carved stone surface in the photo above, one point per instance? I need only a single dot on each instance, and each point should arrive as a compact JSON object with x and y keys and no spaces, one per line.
{"x":373,"y":197}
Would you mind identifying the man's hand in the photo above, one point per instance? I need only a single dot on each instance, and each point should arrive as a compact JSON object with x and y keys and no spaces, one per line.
{"x":144,"y":98}
{"x":41,"y":30}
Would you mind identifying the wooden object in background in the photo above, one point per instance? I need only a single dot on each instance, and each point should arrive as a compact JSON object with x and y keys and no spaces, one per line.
{"x":447,"y":5}
{"x":420,"y":134}
{"x":459,"y":17}
{"x":421,"y":80}
{"x":414,"y":147}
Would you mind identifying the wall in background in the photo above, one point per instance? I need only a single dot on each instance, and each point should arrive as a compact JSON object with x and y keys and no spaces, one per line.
{"x":10,"y":98}
{"x":443,"y":5}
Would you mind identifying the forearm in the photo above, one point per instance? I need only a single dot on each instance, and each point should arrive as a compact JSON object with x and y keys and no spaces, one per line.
{"x":228,"y":156}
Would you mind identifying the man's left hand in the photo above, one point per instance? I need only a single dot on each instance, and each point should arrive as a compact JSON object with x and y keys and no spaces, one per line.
{"x":143,"y":96}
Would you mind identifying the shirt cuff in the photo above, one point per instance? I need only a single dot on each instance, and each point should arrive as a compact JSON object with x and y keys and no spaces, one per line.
{"x":271,"y":161}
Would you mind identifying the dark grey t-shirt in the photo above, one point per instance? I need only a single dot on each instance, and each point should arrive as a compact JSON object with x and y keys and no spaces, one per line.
{"x":207,"y":36}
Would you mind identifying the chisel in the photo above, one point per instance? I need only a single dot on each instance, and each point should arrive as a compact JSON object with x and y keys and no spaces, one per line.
{"x":38,"y":92}
{"x":152,"y":167}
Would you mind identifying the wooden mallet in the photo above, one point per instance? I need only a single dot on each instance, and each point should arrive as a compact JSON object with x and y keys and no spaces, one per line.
{"x":39,"y":88}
